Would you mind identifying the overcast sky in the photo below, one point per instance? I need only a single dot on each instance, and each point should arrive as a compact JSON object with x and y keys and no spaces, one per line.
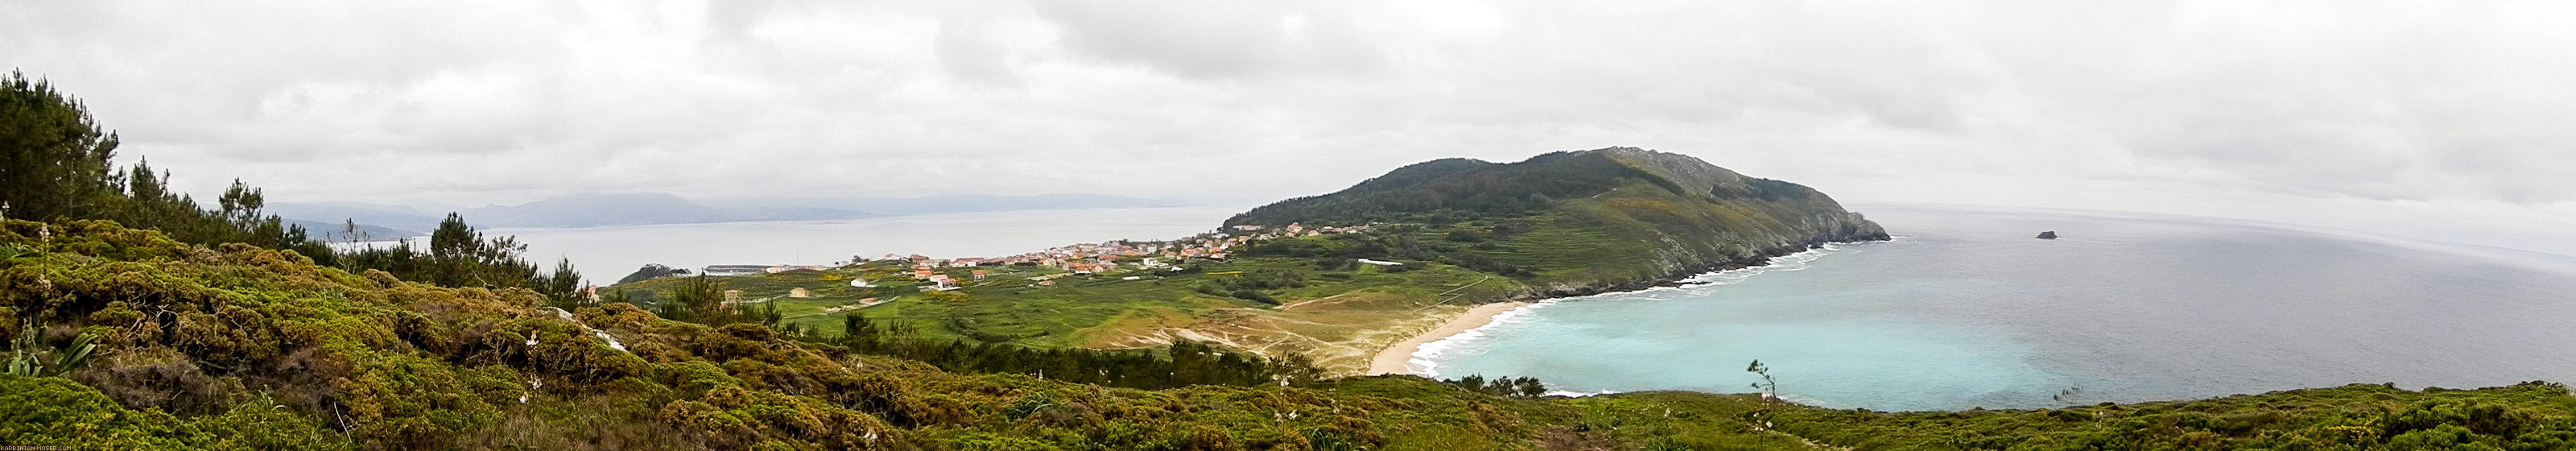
{"x":2435,"y":112}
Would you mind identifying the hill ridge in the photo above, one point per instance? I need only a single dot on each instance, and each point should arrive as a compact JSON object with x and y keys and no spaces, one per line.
{"x":1670,"y":215}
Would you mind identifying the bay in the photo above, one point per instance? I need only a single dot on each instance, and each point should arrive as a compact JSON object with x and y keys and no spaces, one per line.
{"x":1966,"y":309}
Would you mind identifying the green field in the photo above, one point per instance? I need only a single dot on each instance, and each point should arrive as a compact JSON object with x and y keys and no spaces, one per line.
{"x":1337,"y":316}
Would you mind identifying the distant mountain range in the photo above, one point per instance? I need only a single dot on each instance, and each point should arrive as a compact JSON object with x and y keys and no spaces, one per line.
{"x":338,"y":231}
{"x":592,"y":210}
{"x":382,"y":221}
{"x":390,"y":221}
{"x":952,"y":203}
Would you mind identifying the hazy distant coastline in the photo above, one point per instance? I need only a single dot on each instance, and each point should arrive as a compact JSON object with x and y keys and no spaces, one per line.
{"x":606,"y":252}
{"x":387,"y":221}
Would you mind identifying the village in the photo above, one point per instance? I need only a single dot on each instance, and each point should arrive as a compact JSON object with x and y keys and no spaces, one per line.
{"x":1112,"y":256}
{"x":869,"y":282}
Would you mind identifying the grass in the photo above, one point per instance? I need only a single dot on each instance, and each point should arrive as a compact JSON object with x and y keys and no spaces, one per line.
{"x":1338,"y":317}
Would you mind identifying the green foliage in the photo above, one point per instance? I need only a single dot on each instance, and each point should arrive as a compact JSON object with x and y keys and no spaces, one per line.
{"x":459,"y":256}
{"x":1008,"y":308}
{"x":1451,"y":187}
{"x":1399,"y":242}
{"x":55,"y":160}
{"x":2534,"y":416}
{"x":1599,"y":219}
{"x":1770,"y":387}
{"x":701,"y":300}
{"x":57,"y":412}
{"x":53,"y":155}
{"x":1183,"y":363}
{"x":1516,"y":387}
{"x":1250,"y":284}
{"x":31,"y":356}
{"x":562,"y":287}
{"x":650,"y":272}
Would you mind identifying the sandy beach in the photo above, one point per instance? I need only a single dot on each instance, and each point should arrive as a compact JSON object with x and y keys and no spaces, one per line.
{"x":1392,"y":359}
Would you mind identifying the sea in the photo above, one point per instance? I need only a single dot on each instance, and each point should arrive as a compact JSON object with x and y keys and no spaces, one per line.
{"x":1965,"y":308}
{"x":604,"y":254}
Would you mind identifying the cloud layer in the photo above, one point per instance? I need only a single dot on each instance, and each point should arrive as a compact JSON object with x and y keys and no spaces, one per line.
{"x":2150,"y":105}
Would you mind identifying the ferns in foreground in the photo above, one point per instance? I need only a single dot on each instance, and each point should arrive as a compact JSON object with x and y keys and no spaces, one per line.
{"x":31,"y":356}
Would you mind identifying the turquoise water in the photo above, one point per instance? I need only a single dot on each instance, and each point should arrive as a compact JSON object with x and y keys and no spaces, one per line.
{"x":1965,"y":310}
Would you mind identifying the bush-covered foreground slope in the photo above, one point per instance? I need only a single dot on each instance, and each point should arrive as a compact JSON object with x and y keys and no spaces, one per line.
{"x":238,"y":347}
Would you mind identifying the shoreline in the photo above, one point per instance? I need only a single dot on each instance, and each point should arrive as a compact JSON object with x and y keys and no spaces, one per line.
{"x":1395,"y":358}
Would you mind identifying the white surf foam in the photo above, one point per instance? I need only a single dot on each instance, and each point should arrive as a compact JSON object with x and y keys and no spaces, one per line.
{"x":1426,"y":358}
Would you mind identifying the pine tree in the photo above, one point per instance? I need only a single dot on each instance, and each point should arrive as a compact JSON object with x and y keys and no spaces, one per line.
{"x":563,"y":287}
{"x":53,"y":155}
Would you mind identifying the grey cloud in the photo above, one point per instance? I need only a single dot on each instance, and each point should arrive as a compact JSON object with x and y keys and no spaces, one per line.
{"x":1224,"y":41}
{"x":506,"y":101}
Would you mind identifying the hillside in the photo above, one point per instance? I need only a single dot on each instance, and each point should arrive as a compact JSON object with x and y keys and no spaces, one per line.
{"x":1590,"y":220}
{"x":237,"y":347}
{"x":1453,"y":232}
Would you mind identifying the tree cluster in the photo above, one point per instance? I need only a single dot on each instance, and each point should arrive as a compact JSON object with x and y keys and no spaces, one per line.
{"x":1251,"y":285}
{"x":1182,"y":364}
{"x":1512,"y":387}
{"x":1460,"y":246}
{"x":701,"y":300}
{"x":459,"y":256}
